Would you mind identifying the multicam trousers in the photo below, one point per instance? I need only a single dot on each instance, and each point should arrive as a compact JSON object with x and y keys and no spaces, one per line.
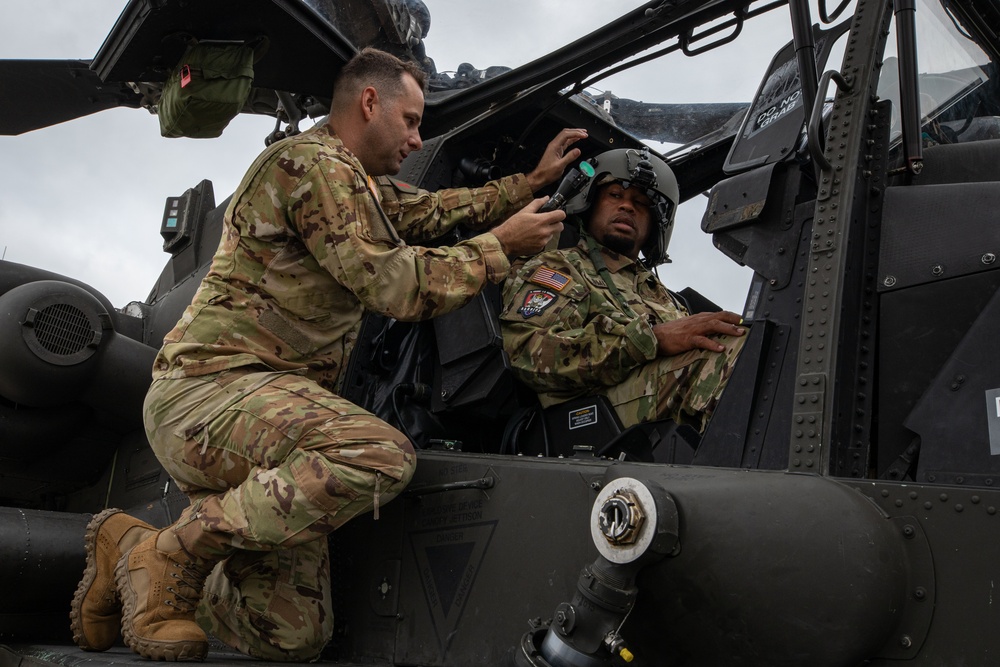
{"x":684,"y":387}
{"x":272,"y":463}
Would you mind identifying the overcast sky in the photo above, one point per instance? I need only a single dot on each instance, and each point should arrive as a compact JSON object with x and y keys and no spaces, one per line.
{"x":85,"y":198}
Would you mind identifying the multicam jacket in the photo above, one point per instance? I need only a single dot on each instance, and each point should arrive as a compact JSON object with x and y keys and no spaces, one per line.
{"x":566,"y":333}
{"x":306,"y":248}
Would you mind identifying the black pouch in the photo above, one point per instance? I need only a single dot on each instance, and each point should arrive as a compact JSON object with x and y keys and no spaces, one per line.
{"x":206,"y":90}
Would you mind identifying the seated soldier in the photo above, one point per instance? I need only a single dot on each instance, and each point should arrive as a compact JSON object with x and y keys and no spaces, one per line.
{"x":592,"y":319}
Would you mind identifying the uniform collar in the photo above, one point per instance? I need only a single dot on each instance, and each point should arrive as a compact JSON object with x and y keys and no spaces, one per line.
{"x":329,"y":137}
{"x":614,"y":261}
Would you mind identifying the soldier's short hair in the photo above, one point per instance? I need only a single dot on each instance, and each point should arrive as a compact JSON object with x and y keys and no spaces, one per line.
{"x":378,"y":69}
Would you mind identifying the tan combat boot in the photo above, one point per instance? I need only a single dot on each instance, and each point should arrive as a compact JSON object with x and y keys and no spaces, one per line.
{"x":96,"y":612}
{"x":160,"y":585}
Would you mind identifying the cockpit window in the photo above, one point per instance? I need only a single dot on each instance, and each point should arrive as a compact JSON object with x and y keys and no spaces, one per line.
{"x":955,"y":76}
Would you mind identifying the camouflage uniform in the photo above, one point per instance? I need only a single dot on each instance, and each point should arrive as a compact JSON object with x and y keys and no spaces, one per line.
{"x":243,"y":411}
{"x":567,"y":336}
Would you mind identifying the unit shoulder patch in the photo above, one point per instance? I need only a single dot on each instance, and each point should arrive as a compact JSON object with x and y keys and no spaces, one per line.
{"x":536,"y":301}
{"x":551,"y":278}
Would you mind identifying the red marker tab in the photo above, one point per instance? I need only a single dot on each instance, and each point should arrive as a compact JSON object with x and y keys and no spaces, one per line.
{"x":185,"y":75}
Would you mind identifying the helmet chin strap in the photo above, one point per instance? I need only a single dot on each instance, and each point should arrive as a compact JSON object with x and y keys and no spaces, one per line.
{"x":660,"y":217}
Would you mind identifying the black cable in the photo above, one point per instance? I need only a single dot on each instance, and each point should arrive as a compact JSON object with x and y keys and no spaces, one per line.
{"x":418,"y":391}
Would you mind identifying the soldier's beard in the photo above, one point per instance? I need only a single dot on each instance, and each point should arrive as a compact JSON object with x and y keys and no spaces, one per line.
{"x":620,"y":244}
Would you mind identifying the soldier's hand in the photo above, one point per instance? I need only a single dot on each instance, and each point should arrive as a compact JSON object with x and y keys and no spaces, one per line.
{"x":556,"y":158}
{"x":690,"y":333}
{"x":527,"y":231}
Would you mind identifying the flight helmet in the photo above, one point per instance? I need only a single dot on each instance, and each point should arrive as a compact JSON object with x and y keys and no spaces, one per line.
{"x":635,"y":167}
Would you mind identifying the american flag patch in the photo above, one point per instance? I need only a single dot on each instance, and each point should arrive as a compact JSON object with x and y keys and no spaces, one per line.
{"x":546,"y":277}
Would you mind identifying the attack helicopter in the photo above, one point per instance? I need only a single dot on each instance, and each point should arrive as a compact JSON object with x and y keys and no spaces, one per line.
{"x":835,"y":512}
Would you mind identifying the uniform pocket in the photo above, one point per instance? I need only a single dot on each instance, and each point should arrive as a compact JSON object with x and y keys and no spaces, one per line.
{"x":366,"y":443}
{"x":202,"y":403}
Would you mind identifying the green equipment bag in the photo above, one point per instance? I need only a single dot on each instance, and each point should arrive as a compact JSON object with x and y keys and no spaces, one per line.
{"x":206,"y":90}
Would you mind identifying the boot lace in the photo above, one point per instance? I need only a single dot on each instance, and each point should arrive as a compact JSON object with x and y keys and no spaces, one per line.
{"x":189,"y":581}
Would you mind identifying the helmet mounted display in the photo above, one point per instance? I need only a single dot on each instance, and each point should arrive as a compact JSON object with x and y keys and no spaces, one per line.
{"x":635,"y":167}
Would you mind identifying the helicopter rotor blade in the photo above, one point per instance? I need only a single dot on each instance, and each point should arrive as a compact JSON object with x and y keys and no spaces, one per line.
{"x":40,"y":93}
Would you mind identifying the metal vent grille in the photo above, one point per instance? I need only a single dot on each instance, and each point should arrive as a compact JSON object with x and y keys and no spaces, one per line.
{"x":63,"y":329}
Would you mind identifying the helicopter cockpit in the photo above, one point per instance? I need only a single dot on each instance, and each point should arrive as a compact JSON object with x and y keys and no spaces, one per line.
{"x":841,"y":196}
{"x":952,"y":68}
